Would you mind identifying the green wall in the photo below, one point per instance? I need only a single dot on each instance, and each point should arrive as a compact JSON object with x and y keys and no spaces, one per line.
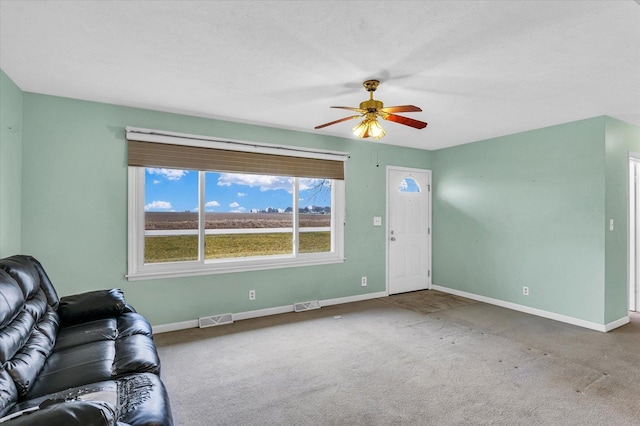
{"x":525,"y":210}
{"x":74,"y":211}
{"x":533,"y":209}
{"x":620,"y":138}
{"x":10,"y":165}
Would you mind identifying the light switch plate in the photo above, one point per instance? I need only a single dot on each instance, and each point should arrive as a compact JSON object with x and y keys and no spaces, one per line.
{"x":377,"y":221}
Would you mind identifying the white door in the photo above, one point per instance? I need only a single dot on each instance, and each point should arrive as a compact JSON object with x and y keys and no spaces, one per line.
{"x":408,"y":229}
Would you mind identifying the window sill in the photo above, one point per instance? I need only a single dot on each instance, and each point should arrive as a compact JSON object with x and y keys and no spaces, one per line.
{"x":212,"y":269}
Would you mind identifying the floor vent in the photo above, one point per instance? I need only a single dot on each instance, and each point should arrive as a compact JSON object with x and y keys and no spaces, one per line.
{"x":215,"y":320}
{"x":306,"y":306}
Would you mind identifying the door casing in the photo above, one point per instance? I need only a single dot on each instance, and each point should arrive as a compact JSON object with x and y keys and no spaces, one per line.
{"x":633,"y":228}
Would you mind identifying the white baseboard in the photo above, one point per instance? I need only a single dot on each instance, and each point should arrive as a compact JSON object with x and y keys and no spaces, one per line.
{"x":356,"y":298}
{"x":165,"y":328}
{"x":617,"y":323}
{"x":534,"y":311}
{"x":262,"y":312}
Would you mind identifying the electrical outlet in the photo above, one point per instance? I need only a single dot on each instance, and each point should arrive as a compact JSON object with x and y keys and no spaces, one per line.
{"x":363,"y":282}
{"x":525,"y":291}
{"x":252,"y":295}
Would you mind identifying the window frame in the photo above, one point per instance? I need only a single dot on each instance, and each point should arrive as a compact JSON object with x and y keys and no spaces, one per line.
{"x":138,"y":270}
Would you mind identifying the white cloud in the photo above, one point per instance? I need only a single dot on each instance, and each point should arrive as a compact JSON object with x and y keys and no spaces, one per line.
{"x":169,"y":174}
{"x":158,"y":205}
{"x":265,"y":183}
{"x":234,"y":205}
{"x":239,"y":210}
{"x":156,"y":181}
{"x":308,"y":183}
{"x":209,"y":205}
{"x":241,"y":194}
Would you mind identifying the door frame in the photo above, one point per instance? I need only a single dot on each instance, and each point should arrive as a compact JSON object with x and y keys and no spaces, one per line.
{"x":429,"y":212}
{"x":632,"y":229}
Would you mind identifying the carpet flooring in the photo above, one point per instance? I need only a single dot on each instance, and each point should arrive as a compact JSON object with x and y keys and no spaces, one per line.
{"x":427,"y":302}
{"x":423,"y":358}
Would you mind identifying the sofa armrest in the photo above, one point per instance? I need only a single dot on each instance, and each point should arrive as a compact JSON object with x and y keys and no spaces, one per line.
{"x":91,"y":306}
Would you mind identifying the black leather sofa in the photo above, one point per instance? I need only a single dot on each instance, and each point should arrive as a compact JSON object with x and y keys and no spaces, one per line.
{"x":86,"y":359}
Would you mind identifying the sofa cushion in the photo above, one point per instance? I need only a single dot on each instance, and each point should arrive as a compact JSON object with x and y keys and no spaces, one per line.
{"x":141,"y":399}
{"x":36,"y":305}
{"x":8,"y":392}
{"x":133,"y":323}
{"x":91,"y":306}
{"x":49,"y":324}
{"x":81,"y":334}
{"x":96,"y":361}
{"x":145,"y":401}
{"x":14,"y":335}
{"x":135,"y":354}
{"x":35,"y":313}
{"x":75,"y":366}
{"x":68,"y":413}
{"x":24,"y":272}
{"x":121,"y":326}
{"x":28,"y":324}
{"x":22,"y":266}
{"x":45,"y":282}
{"x":11,"y":298}
{"x":26,"y":364}
{"x":99,"y":391}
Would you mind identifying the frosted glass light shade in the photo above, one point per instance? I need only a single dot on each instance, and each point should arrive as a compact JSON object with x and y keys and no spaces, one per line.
{"x":369,"y":128}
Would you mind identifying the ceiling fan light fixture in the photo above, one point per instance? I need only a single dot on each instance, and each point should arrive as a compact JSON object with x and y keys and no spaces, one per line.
{"x":369,"y":128}
{"x":370,"y":110}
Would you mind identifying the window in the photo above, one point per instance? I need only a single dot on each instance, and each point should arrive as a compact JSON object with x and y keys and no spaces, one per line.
{"x":200,"y":220}
{"x":408,"y":184}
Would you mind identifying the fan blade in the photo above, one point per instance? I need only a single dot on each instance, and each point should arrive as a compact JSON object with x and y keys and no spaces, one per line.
{"x":404,"y":120}
{"x":401,"y":108}
{"x":360,"y":110}
{"x":337,"y":121}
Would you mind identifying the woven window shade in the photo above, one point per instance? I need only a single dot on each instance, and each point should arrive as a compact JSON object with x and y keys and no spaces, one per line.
{"x":151,"y":154}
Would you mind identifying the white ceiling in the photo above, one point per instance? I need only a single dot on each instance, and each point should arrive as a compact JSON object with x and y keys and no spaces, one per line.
{"x":478,"y":69}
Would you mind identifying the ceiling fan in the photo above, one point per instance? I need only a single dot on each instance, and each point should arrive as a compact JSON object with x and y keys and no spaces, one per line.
{"x":371,"y":109}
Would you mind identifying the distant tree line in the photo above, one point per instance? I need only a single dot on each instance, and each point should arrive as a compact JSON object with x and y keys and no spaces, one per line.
{"x":301,"y":210}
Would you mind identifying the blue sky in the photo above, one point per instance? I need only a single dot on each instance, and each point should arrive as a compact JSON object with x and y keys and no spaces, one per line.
{"x":177,"y":190}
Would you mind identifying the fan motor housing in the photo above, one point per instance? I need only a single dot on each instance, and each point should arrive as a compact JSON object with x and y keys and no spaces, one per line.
{"x":371,"y":105}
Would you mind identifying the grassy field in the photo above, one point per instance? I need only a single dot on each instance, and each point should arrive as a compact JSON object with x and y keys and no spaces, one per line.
{"x":158,"y":249}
